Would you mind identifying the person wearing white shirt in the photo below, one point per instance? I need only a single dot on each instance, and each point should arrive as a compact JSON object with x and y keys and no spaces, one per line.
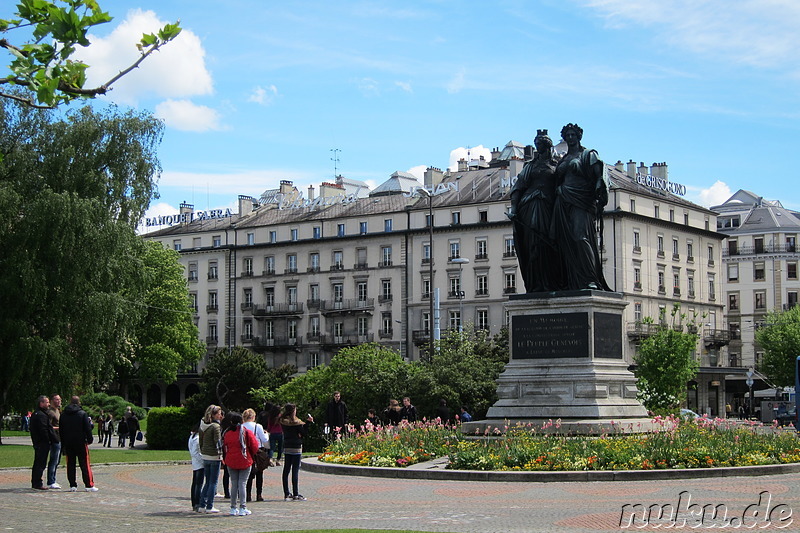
{"x":249,"y":417}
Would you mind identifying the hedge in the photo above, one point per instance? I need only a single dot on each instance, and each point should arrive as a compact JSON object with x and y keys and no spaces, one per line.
{"x":168,"y":428}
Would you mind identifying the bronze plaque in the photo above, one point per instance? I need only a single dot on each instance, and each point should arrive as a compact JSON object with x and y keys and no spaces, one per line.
{"x":551,"y":335}
{"x":608,"y":336}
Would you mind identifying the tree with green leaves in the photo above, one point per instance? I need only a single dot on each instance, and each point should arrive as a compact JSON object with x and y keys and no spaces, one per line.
{"x":165,"y":341}
{"x":72,"y":292}
{"x":780,"y":339}
{"x":665,"y":363}
{"x":43,"y":59}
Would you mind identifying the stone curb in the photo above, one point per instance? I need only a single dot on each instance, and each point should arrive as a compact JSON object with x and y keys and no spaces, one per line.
{"x":434,"y":471}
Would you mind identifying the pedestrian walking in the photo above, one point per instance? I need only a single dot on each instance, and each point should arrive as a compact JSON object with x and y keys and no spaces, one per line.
{"x":76,"y":436}
{"x":133,"y":429}
{"x":239,"y":449}
{"x":294,"y":431}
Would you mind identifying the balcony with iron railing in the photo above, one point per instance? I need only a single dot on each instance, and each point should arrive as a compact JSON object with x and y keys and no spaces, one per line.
{"x":383,"y":298}
{"x":716,"y":337}
{"x":386,"y":333}
{"x":640,"y":330}
{"x":277,"y":343}
{"x":385,"y":264}
{"x":268,"y":272}
{"x":212,"y":308}
{"x":211,"y":339}
{"x":347,"y":305}
{"x":761,"y":249}
{"x":247,"y":306}
{"x":262,"y":310}
{"x":346,"y":339}
{"x":510,"y":290}
{"x":361,"y":265}
{"x":420,"y":337}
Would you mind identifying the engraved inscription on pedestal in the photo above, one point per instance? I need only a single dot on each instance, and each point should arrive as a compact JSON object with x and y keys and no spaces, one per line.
{"x":545,"y":336}
{"x":608,"y":335}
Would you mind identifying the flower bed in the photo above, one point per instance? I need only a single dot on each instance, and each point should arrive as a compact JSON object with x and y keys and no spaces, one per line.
{"x":704,"y":443}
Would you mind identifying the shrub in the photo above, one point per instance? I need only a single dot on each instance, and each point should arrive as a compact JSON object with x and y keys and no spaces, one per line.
{"x":94,"y":402}
{"x":168,"y":428}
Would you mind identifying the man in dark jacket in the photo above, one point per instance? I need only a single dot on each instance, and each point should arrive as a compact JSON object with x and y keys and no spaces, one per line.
{"x":408,"y":412}
{"x":336,"y":415}
{"x":76,"y":436}
{"x":42,"y":436}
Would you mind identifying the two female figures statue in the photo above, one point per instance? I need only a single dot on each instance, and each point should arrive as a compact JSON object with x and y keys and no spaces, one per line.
{"x":556,"y":207}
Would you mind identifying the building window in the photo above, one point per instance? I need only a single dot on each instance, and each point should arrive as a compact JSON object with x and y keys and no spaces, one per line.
{"x":363,"y":326}
{"x":426,"y":288}
{"x":291,"y":295}
{"x":791,"y":299}
{"x":273,"y":236}
{"x":291,"y":264}
{"x":686,"y":219}
{"x":710,"y":255}
{"x":317,"y":232}
{"x":386,"y":256}
{"x":340,"y":230}
{"x":216,"y":241}
{"x":428,"y":221}
{"x":511,"y":283}
{"x":633,"y":205}
{"x":660,"y":246}
{"x":481,"y":249}
{"x":482,"y":285}
{"x":455,"y":250}
{"x":672,"y":215}
{"x":637,"y":278}
{"x":269,"y":297}
{"x":313,"y":360}
{"x":338,"y":260}
{"x":362,"y":228}
{"x":269,"y":265}
{"x":791,"y":270}
{"x":483,"y":216}
{"x":733,"y":301}
{"x":482,"y":319}
{"x":294,"y":234}
{"x":637,"y":311}
{"x":313,"y":326}
{"x":758,"y":245}
{"x":313,"y":294}
{"x":791,"y":243}
{"x":269,"y":331}
{"x":313,"y":261}
{"x":193,"y":301}
{"x":426,"y":253}
{"x":455,"y":287}
{"x":386,"y":290}
{"x":361,"y":291}
{"x":760,"y":299}
{"x":247,"y":297}
{"x":361,"y":258}
{"x":176,"y":245}
{"x":426,"y":322}
{"x":291,"y":331}
{"x":455,"y":319}
{"x":251,"y":239}
{"x":676,"y":284}
{"x":338,"y":292}
{"x":387,"y":225}
{"x":213,"y":272}
{"x":656,"y":211}
{"x":213,"y":303}
{"x":662,"y":288}
{"x":247,"y":333}
{"x":712,"y":291}
{"x":192,"y":271}
{"x":690,"y":283}
{"x":759,"y":272}
{"x":386,"y":324}
{"x":212,"y":332}
{"x":508,"y":247}
{"x":455,"y":218}
{"x":690,"y":252}
{"x":637,"y":244}
{"x":675,"y":248}
{"x":733,"y":272}
{"x":247,"y":266}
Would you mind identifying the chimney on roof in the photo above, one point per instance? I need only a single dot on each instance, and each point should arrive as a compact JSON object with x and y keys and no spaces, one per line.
{"x":246,"y":205}
{"x":287,"y":186}
{"x":328,"y":189}
{"x":463,"y":165}
{"x":186,"y":209}
{"x":496,"y":153}
{"x":642,"y":169}
{"x":311,"y":192}
{"x":619,"y":166}
{"x":631,"y":169}
{"x":432,"y":177}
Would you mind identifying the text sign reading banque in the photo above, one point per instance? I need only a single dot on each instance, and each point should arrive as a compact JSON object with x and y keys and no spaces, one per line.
{"x":552,"y":335}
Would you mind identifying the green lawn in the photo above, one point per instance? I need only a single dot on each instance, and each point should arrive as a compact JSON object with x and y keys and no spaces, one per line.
{"x":15,"y":455}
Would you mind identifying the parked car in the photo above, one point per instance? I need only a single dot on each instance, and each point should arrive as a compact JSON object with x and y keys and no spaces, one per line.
{"x":688,"y":414}
{"x":788,"y":417}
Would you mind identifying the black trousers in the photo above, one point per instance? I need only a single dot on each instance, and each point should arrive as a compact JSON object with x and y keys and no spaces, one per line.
{"x":39,"y":464}
{"x":82,"y":456}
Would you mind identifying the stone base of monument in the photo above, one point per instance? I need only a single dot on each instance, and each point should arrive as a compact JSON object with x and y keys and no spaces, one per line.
{"x":566,"y":373}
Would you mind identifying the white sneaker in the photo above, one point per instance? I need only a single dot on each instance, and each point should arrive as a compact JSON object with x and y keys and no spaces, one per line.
{"x":73,"y":489}
{"x":244,"y":511}
{"x":91,"y":489}
{"x":234,"y":511}
{"x":54,"y":486}
{"x":213,"y":510}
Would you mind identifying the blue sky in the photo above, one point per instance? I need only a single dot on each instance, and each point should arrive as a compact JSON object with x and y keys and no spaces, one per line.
{"x":254,"y":92}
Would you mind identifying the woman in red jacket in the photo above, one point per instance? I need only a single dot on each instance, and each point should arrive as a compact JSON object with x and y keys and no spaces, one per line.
{"x":240,"y":448}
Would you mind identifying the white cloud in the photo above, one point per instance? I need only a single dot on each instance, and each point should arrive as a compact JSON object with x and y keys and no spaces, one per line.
{"x":470,"y":154}
{"x":176,"y":70}
{"x":263,"y":95}
{"x":457,"y":82}
{"x":404,"y":86}
{"x":418,"y":172}
{"x":368,"y":87}
{"x":714,"y":195}
{"x":187,"y":116}
{"x":754,"y":32}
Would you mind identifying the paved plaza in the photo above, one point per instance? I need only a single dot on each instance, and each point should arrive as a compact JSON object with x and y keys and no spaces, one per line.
{"x":155,"y":498}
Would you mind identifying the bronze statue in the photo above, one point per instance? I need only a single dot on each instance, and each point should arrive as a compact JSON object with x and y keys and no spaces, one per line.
{"x":581,"y":195}
{"x":532,"y":200}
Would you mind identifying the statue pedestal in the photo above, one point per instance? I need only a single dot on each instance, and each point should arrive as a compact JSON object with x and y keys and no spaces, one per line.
{"x":566,"y":363}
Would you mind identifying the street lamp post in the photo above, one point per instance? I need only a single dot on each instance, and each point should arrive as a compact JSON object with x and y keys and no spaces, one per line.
{"x":460,"y":261}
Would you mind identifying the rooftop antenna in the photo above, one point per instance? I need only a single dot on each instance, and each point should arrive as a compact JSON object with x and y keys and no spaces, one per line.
{"x":335,"y":160}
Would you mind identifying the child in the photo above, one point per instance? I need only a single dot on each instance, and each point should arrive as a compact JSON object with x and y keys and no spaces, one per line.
{"x":197,"y":467}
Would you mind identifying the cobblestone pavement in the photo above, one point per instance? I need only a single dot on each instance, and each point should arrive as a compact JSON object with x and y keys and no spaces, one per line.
{"x":154,"y":498}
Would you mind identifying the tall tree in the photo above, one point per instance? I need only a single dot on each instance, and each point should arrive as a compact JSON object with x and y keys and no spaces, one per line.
{"x":665,"y":363}
{"x":780,"y":338}
{"x":71,"y":260}
{"x":165,"y":340}
{"x":42,"y":60}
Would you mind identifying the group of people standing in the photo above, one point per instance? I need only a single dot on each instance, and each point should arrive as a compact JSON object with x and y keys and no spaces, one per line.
{"x":54,"y":432}
{"x":127,"y":429}
{"x":233,"y":442}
